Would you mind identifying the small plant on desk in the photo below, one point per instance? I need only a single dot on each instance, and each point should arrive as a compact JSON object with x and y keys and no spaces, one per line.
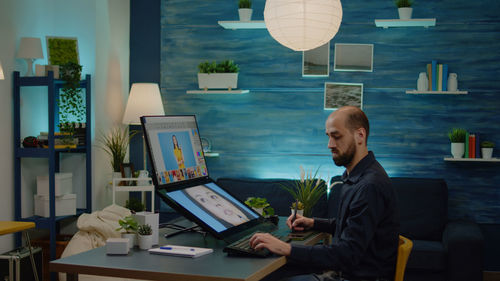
{"x":145,"y":236}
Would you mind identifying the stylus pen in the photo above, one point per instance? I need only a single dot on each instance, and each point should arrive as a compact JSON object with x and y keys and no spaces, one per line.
{"x":295,"y":210}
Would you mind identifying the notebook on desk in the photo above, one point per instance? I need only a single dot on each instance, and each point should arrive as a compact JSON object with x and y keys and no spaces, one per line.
{"x":181,"y":179}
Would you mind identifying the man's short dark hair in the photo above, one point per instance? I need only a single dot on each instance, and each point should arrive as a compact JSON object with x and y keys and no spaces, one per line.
{"x":357,"y":119}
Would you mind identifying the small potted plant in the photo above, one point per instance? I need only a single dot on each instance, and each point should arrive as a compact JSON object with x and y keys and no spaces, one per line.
{"x":145,"y":236}
{"x":308,"y":190}
{"x":130,"y":225}
{"x":245,"y":10}
{"x":457,"y":138}
{"x":404,"y":9}
{"x":223,"y":75}
{"x":260,"y":205}
{"x":300,"y":208}
{"x":487,"y":149}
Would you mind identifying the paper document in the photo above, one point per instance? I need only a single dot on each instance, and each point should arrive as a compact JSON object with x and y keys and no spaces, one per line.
{"x":180,"y":251}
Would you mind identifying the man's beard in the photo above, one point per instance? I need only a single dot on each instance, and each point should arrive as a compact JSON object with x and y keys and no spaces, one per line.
{"x":345,"y":158}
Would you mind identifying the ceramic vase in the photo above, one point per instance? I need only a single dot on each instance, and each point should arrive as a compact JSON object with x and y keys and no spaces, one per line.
{"x":457,"y":149}
{"x":422,"y":82}
{"x":245,"y":14}
{"x":299,"y":212}
{"x":145,"y":242}
{"x":405,"y":13}
{"x":487,"y":152}
{"x":452,"y":82}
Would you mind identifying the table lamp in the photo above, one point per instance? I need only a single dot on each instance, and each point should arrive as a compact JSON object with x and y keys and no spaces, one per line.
{"x":144,"y":99}
{"x":1,"y":72}
{"x":30,"y":49}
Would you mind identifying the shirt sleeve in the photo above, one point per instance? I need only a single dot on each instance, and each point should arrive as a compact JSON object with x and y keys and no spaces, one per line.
{"x":346,"y":251}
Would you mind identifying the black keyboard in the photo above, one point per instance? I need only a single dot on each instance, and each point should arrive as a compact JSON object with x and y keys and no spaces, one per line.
{"x":242,"y":247}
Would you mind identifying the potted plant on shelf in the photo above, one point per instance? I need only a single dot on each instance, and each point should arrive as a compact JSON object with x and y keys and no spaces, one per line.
{"x":404,"y":9}
{"x":245,"y":10}
{"x":214,"y":75}
{"x":487,"y":149}
{"x":307,"y":191}
{"x":145,"y":236}
{"x":457,"y":138}
{"x":115,"y":145}
{"x":130,"y":225}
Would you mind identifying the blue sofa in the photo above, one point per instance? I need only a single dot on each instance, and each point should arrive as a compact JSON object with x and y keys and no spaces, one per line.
{"x":443,"y":250}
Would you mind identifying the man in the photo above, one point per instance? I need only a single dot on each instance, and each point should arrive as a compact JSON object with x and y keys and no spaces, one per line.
{"x":365,"y":232}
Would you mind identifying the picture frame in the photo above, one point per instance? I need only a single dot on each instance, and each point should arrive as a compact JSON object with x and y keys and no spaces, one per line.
{"x":337,"y":95}
{"x":62,"y":50}
{"x":353,"y":57}
{"x":316,"y":62}
{"x":127,"y":170}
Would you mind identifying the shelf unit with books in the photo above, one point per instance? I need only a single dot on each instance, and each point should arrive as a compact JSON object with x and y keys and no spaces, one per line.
{"x":450,"y":159}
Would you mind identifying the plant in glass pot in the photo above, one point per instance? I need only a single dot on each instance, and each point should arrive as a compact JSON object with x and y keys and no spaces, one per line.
{"x":213,"y":75}
{"x":307,"y":191}
{"x":245,"y":10}
{"x":130,"y":225}
{"x":145,"y":233}
{"x":404,"y":9}
{"x":457,"y":138}
{"x":487,"y":149}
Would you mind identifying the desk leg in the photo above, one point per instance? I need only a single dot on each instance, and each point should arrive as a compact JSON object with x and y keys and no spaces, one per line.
{"x":71,"y":276}
{"x":28,"y":243}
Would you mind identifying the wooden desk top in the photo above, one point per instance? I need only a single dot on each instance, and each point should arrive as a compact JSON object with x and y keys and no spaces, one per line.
{"x":7,"y":227}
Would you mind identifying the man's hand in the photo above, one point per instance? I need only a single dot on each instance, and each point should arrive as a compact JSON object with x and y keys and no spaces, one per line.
{"x":273,"y":244}
{"x":300,"y":223}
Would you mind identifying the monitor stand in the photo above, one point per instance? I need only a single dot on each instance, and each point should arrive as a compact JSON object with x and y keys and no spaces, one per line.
{"x":182,"y":226}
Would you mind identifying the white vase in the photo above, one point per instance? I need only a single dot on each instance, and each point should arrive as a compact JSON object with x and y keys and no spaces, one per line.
{"x":299,"y":212}
{"x":405,"y":13}
{"x":457,"y":149}
{"x":131,"y":239}
{"x":452,"y":82}
{"x":422,"y":82}
{"x":145,"y":242}
{"x":245,"y":14}
{"x":487,"y":152}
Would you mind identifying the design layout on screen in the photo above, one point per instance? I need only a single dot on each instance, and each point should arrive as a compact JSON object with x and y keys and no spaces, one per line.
{"x":214,"y":206}
{"x":176,"y":148}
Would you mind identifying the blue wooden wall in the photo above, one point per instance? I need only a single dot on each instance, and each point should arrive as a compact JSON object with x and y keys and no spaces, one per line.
{"x":279,"y":125}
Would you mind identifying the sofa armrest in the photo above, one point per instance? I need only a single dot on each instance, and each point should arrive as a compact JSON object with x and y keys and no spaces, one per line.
{"x":463,"y":242}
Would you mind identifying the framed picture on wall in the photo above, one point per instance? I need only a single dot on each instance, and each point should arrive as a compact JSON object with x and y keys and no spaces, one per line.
{"x":62,"y":50}
{"x":342,"y":94}
{"x":127,"y":170}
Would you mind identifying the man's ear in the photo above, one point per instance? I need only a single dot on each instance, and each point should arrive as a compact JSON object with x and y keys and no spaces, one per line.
{"x":360,"y":136}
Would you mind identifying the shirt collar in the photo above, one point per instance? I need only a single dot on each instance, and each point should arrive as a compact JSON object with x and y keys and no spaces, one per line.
{"x":355,"y":174}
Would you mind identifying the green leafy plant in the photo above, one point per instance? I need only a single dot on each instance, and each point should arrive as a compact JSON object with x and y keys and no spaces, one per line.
{"x":115,"y":145}
{"x":144,"y":229}
{"x":457,"y":135}
{"x":487,"y":144}
{"x":258,"y":202}
{"x":300,"y":206}
{"x":129,"y":224}
{"x":227,"y":66}
{"x":134,"y":205}
{"x":403,"y":3}
{"x":308,"y":190}
{"x":62,"y":50}
{"x":245,"y":4}
{"x":71,"y":101}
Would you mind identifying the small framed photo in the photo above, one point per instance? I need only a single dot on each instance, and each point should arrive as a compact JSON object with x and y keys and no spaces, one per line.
{"x":342,"y":94}
{"x":62,"y":50}
{"x":127,"y":170}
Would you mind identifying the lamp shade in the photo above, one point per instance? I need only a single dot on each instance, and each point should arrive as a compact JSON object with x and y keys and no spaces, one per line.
{"x":1,"y":72}
{"x":144,"y":99}
{"x":303,"y":25}
{"x":30,"y":48}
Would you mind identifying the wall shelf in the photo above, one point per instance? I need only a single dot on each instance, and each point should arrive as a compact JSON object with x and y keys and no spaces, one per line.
{"x":254,"y":24}
{"x":415,"y":92}
{"x":386,"y":23}
{"x":211,"y":154}
{"x":217,"y":92}
{"x":471,"y":159}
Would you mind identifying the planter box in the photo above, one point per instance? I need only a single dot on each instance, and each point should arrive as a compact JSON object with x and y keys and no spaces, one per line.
{"x":218,"y":80}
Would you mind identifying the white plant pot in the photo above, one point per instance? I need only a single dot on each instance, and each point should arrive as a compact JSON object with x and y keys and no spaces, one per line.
{"x":153,"y":219}
{"x":487,"y":152}
{"x":132,"y":239}
{"x":218,"y":80}
{"x":299,"y":212}
{"x":245,"y":14}
{"x":405,"y":13}
{"x":258,"y":210}
{"x":457,"y":149}
{"x":145,"y":242}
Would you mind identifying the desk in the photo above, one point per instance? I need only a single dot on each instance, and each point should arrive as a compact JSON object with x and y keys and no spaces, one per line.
{"x":142,"y":265}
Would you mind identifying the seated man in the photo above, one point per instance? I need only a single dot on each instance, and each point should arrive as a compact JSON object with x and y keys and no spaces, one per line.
{"x":365,"y":232}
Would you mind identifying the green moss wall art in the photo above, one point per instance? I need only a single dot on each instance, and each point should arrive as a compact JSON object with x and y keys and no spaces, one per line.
{"x":62,"y":50}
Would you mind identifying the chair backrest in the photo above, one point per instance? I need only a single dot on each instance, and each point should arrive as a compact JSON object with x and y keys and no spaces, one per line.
{"x":404,"y":249}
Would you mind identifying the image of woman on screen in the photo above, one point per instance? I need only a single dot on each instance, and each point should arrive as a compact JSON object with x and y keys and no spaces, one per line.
{"x":178,"y":153}
{"x":224,"y":211}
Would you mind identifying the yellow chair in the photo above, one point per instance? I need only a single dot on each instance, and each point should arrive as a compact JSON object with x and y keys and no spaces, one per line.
{"x":404,"y":249}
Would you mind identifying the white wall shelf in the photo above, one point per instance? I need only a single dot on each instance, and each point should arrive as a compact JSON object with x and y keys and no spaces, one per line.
{"x":254,"y":24}
{"x":211,"y":154}
{"x":472,"y":159}
{"x":386,"y":23}
{"x":415,"y":92}
{"x":204,"y":92}
{"x":122,"y":188}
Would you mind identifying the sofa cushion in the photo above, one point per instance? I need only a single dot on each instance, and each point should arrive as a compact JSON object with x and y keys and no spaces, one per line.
{"x":272,"y":190}
{"x":427,"y":256}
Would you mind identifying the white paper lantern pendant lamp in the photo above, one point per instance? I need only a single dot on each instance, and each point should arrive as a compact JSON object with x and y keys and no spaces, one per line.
{"x":303,"y":25}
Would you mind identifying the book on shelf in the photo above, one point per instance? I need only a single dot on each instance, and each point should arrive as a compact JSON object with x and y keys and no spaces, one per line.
{"x":472,"y":145}
{"x":466,"y":153}
{"x":429,"y":75}
{"x":434,"y":75}
{"x":478,"y":146}
{"x":440,"y":77}
{"x":445,"y":77}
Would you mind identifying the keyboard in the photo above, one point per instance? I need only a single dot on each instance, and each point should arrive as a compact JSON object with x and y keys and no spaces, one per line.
{"x":242,"y":247}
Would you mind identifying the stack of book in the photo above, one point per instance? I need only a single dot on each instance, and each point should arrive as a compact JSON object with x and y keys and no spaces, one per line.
{"x":472,"y":148}
{"x":437,"y":75}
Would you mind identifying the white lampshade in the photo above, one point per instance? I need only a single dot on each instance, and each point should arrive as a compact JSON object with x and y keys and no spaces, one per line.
{"x":144,"y":99}
{"x":30,"y":48}
{"x":303,"y":25}
{"x":1,"y":72}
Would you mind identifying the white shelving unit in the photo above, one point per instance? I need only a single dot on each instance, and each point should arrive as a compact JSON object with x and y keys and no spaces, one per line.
{"x":386,"y":23}
{"x":254,"y":24}
{"x":471,"y":159}
{"x":142,"y":188}
{"x":415,"y":92}
{"x":204,"y":92}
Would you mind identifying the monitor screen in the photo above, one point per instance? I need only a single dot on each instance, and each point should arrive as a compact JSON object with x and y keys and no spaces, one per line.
{"x":175,"y":149}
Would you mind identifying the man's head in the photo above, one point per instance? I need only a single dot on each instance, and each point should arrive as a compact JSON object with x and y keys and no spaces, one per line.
{"x":347,"y":129}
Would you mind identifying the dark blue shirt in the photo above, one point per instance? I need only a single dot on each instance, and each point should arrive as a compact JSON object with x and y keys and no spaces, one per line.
{"x":365,"y":232}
